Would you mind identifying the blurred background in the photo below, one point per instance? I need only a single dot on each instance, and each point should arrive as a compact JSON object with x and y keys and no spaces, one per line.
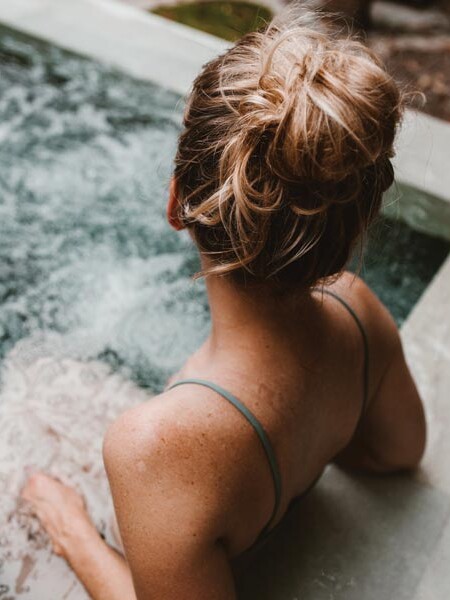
{"x":413,"y":36}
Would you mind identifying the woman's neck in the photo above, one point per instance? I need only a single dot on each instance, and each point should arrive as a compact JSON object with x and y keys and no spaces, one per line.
{"x":247,"y":316}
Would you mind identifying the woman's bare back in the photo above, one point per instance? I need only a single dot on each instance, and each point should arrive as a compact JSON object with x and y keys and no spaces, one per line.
{"x":305,"y":383}
{"x":191,"y":485}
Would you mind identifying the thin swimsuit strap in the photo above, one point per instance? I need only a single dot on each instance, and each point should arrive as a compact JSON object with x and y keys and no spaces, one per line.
{"x":264,"y":438}
{"x":365,"y":346}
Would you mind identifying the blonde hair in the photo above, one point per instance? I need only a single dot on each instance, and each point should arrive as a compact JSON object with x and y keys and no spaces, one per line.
{"x":285,"y":152}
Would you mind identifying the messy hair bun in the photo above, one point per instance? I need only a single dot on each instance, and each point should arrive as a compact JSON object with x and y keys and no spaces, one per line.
{"x":285,"y":152}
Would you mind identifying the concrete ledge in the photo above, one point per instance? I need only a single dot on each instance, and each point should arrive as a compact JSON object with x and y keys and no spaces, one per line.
{"x":423,"y":153}
{"x":426,"y":337}
{"x":143,"y":45}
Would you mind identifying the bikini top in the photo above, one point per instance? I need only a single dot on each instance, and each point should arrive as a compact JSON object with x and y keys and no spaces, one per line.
{"x":264,"y":438}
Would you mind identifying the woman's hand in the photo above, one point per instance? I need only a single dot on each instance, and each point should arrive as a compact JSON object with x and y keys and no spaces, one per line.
{"x":61,"y":511}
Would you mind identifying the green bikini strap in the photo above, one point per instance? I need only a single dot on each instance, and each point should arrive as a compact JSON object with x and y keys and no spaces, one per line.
{"x":268,"y":449}
{"x":365,"y":341}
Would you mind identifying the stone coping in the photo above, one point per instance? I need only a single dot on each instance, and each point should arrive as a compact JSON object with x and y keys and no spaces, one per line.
{"x":142,"y":44}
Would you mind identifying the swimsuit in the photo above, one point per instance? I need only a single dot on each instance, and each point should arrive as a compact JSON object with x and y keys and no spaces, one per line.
{"x":264,"y":438}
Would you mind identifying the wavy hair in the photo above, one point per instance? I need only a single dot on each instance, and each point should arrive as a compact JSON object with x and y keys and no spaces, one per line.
{"x":285,"y":152}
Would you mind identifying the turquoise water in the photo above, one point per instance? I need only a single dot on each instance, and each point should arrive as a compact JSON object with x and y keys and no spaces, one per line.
{"x":85,"y":250}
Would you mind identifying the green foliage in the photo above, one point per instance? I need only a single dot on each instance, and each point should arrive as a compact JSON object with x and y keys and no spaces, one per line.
{"x":228,"y":20}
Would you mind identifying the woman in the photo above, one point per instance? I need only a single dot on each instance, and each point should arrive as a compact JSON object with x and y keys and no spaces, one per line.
{"x":280,"y":170}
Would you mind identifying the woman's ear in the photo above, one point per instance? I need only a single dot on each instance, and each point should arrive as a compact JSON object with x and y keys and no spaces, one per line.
{"x":173,"y":207}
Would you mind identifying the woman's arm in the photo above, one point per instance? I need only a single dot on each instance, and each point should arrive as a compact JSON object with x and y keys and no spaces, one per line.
{"x":103,"y":572}
{"x":61,"y":510}
{"x":170,"y":495}
{"x":176,"y":488}
{"x":392,"y":432}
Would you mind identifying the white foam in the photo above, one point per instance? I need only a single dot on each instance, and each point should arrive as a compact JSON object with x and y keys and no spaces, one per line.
{"x":62,"y":407}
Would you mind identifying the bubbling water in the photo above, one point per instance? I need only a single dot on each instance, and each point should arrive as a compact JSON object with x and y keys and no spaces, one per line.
{"x":94,"y":286}
{"x":85,"y":158}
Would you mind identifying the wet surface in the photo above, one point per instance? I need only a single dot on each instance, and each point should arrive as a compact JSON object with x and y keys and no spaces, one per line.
{"x":85,"y":250}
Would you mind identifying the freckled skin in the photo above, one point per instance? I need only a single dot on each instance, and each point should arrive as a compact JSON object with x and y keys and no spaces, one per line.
{"x":191,"y":485}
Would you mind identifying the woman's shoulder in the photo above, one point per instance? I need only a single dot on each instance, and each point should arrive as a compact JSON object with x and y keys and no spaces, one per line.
{"x":379,"y":327}
{"x":170,"y":506}
{"x":192,"y":445}
{"x":170,"y":422}
{"x":182,"y":437}
{"x":392,"y":432}
{"x":164,"y":449}
{"x":373,"y":314}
